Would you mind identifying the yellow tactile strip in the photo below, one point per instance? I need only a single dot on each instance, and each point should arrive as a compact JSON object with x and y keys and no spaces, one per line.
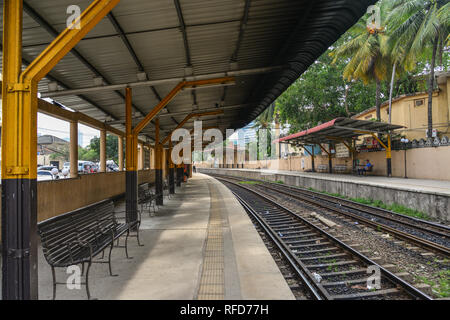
{"x":212,"y":282}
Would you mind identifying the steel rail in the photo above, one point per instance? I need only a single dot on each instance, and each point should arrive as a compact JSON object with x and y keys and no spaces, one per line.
{"x":404,"y":235}
{"x":282,"y":247}
{"x":350,"y":203}
{"x":401,"y":234}
{"x":411,"y":290}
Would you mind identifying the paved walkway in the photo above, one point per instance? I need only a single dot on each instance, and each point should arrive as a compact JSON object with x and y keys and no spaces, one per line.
{"x":199,"y":245}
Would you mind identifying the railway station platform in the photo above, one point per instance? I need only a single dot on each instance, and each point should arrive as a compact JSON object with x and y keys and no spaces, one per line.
{"x":429,"y":196}
{"x":200,"y":245}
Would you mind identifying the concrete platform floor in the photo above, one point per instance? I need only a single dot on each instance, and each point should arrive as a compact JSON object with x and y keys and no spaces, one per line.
{"x":199,"y":245}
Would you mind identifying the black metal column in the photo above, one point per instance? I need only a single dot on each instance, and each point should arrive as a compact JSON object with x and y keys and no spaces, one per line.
{"x":131,"y":205}
{"x":19,"y":233}
{"x":179,"y":176}
{"x":159,"y":187}
{"x":171,"y":180}
{"x":330,"y":163}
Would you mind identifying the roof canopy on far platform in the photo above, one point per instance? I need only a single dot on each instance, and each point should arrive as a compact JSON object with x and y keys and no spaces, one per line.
{"x":339,"y":129}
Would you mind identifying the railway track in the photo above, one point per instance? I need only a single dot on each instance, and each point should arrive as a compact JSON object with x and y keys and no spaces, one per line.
{"x":328,"y":268}
{"x":428,"y":235}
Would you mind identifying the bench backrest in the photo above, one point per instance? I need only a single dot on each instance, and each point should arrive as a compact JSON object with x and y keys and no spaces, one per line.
{"x":83,"y":224}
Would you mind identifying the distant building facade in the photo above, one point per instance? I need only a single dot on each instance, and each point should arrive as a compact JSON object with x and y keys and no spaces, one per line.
{"x":411,"y":111}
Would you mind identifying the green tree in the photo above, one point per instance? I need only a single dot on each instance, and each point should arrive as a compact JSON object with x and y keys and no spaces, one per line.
{"x":321,"y":94}
{"x":418,"y":27}
{"x":265,"y":121}
{"x":92,"y":151}
{"x":366,"y":54}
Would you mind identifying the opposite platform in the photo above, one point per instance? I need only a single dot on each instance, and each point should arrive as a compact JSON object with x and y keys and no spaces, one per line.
{"x":429,"y":196}
{"x":200,"y":245}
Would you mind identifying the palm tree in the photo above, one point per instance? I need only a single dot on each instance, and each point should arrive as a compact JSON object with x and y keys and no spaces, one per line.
{"x":367,"y":57}
{"x":415,"y":27}
{"x":265,"y":121}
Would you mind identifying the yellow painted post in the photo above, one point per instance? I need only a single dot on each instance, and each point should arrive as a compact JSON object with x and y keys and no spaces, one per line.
{"x":120,"y":153}
{"x":19,"y":142}
{"x":19,"y":165}
{"x":389,"y":157}
{"x":73,"y":149}
{"x":102,"y":150}
{"x":388,"y":152}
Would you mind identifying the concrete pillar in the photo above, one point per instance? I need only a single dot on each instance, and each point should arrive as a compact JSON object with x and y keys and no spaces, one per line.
{"x":102,"y":150}
{"x":73,"y":149}
{"x":140,"y":157}
{"x":120,"y":153}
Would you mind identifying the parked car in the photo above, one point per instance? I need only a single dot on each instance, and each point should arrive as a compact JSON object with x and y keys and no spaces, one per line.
{"x":46,"y":168}
{"x":81,"y":166}
{"x":44,"y":175}
{"x":66,"y":166}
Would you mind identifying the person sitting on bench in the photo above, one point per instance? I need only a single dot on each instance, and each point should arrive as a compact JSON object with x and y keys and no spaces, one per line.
{"x":366,"y":168}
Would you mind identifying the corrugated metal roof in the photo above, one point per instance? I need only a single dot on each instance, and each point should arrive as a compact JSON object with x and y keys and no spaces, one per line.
{"x":291,"y":33}
{"x":344,"y":128}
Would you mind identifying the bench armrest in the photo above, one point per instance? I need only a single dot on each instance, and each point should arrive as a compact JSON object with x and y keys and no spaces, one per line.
{"x":123,"y":218}
{"x":82,"y":243}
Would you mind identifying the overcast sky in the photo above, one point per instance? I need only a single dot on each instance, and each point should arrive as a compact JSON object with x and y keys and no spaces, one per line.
{"x":61,"y":129}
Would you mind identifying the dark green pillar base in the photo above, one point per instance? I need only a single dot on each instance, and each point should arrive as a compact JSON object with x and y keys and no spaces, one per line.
{"x":131,"y":197}
{"x":19,"y":239}
{"x":179,"y":176}
{"x":389,"y":167}
{"x":159,"y":187}
{"x":171,"y":180}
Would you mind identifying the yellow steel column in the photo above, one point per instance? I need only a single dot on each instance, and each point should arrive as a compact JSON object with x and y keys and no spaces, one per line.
{"x":19,"y":165}
{"x":73,"y":149}
{"x":120,"y":152}
{"x":389,"y":157}
{"x":103,"y":150}
{"x":388,"y":152}
{"x":19,"y":142}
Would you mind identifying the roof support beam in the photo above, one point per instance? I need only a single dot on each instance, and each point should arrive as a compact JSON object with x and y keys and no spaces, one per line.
{"x":144,"y":31}
{"x":61,"y":83}
{"x":125,"y":40}
{"x":183,"y":31}
{"x":173,"y":93}
{"x":185,"y":42}
{"x":52,"y":31}
{"x":182,"y":113}
{"x":187,"y":118}
{"x":130,"y":49}
{"x":122,"y":86}
{"x":242,"y":27}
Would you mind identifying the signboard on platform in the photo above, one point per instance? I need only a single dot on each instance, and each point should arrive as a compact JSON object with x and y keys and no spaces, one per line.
{"x":45,"y":139}
{"x":342,"y":151}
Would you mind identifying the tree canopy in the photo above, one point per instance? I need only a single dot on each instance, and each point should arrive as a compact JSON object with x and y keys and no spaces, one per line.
{"x":344,"y":80}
